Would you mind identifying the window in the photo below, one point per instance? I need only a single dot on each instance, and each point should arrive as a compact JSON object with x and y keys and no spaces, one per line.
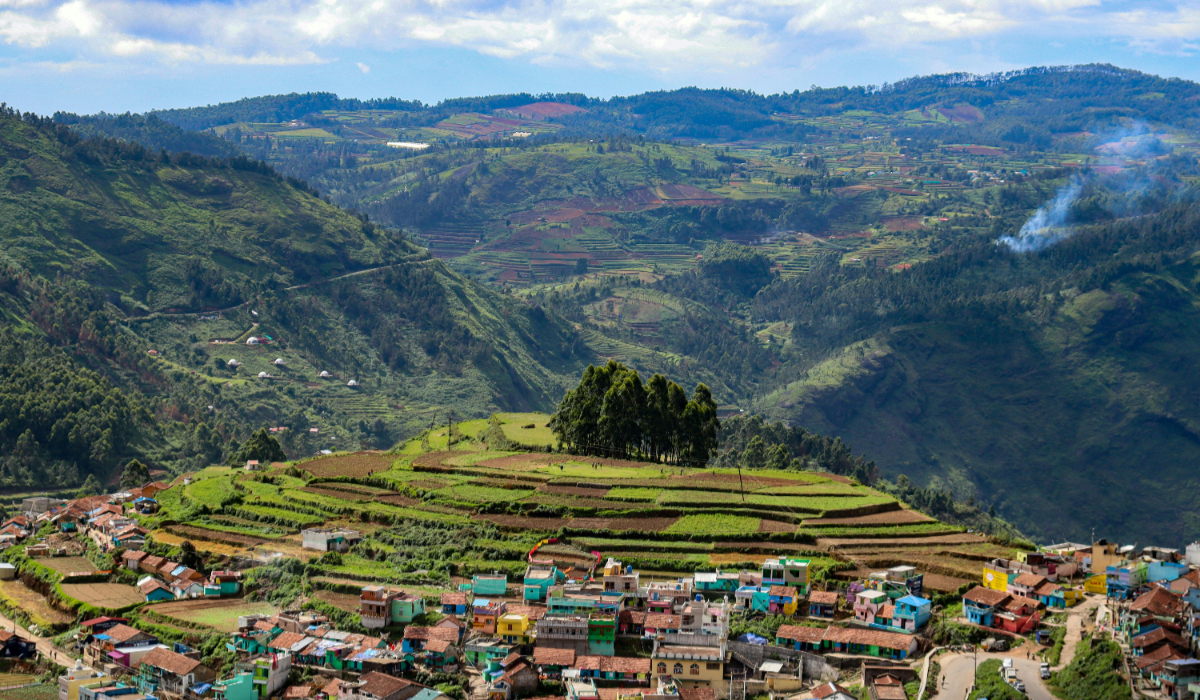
{"x":679,"y":669}
{"x":695,"y":670}
{"x":712,"y":666}
{"x":662,"y":668}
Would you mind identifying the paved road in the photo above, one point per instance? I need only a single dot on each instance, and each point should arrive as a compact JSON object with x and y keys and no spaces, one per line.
{"x":959,"y":673}
{"x":43,"y":644}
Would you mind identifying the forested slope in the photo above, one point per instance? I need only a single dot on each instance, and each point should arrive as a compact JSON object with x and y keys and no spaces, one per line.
{"x":130,"y":282}
{"x":1054,"y":385}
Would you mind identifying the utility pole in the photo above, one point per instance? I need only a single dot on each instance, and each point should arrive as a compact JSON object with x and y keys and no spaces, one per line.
{"x":741,"y":487}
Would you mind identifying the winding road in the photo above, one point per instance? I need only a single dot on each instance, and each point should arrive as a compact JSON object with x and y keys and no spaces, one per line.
{"x":958,"y":673}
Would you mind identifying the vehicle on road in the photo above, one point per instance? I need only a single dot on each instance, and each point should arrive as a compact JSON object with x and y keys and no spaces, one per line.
{"x":1045,"y":671}
{"x":993,"y":644}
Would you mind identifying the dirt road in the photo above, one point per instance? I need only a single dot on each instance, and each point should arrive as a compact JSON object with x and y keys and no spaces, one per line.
{"x":43,"y":645}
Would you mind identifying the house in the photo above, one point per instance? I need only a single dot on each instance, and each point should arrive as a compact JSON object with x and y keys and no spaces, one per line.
{"x":489,"y":584}
{"x":229,"y":582}
{"x":15,"y":647}
{"x":602,"y":634}
{"x":551,"y":661}
{"x":832,"y":691}
{"x":783,"y":599}
{"x":521,"y":675}
{"x":155,"y":590}
{"x":440,"y":653}
{"x":331,"y":539}
{"x":97,"y":652}
{"x":163,"y":670}
{"x":380,"y":607}
{"x":378,"y":686}
{"x":981,"y":604}
{"x":869,"y":606}
{"x":800,"y":638}
{"x":563,"y":632}
{"x":911,"y":613}
{"x":1179,"y":677}
{"x":1125,"y":577}
{"x":480,"y":652}
{"x":849,"y":640}
{"x":619,"y":578}
{"x":70,"y":682}
{"x":1158,"y":638}
{"x":132,"y":559}
{"x":660,"y":623}
{"x":538,"y":579}
{"x":484,"y":615}
{"x":786,"y":571}
{"x":631,"y":622}
{"x":1025,"y":584}
{"x":514,"y":628}
{"x":415,"y":638}
{"x":252,"y":465}
{"x":454,"y":603}
{"x":689,"y":666}
{"x":627,"y":670}
{"x":186,"y":588}
{"x":822,"y":603}
{"x":581,"y":689}
{"x":454,"y":623}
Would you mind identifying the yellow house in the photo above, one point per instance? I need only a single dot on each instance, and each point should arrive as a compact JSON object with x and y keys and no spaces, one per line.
{"x":995,"y":578}
{"x":1097,"y":584}
{"x":514,"y":628}
{"x":69,"y":684}
{"x":691,"y":667}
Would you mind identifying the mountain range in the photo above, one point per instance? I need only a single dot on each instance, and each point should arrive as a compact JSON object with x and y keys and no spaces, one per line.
{"x":830,"y":258}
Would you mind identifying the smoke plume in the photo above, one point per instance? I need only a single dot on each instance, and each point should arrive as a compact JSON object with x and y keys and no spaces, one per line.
{"x":1047,"y":226}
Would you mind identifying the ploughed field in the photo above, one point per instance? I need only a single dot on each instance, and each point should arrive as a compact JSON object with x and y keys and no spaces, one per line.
{"x":700,"y":519}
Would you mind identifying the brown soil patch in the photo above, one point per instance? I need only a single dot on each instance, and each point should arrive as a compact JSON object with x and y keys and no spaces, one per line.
{"x":775,"y":526}
{"x":33,"y":602}
{"x":111,"y":596}
{"x":200,"y":533}
{"x":903,"y":223}
{"x":357,"y":464}
{"x":67,"y":565}
{"x":396,"y":500}
{"x":335,"y":493}
{"x":219,"y":548}
{"x":632,"y":524}
{"x":889,"y":542}
{"x":574,"y":490}
{"x":940,"y":582}
{"x":577,"y":502}
{"x":520,"y":522}
{"x":341,"y":601}
{"x":894,"y":517}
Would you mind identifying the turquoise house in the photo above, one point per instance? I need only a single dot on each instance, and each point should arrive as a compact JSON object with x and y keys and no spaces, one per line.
{"x":911,"y":613}
{"x":538,"y":580}
{"x":490,"y":584}
{"x":240,"y":687}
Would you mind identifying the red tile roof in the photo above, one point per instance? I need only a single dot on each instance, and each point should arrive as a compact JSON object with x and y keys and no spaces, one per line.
{"x":439,"y":646}
{"x":171,"y":662}
{"x":784,"y":591}
{"x":985,"y":596}
{"x":823,"y":597}
{"x":553,"y":657}
{"x":429,"y":633}
{"x":287,"y":640}
{"x":454,"y":599}
{"x":122,"y":633}
{"x":1159,"y":602}
{"x":662,"y":621}
{"x":1153,"y":637}
{"x":381,"y":685}
{"x":796,"y":633}
{"x":1029,"y":580}
{"x":866,"y":637}
{"x":697,"y":694}
{"x":824,"y":691}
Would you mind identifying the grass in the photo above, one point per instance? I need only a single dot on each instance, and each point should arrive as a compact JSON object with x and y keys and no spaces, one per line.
{"x":991,"y":685}
{"x":221,"y":615}
{"x":635,"y":493}
{"x":481,"y":494}
{"x":710,"y":524}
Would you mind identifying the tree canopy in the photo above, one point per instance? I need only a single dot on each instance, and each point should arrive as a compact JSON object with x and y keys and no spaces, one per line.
{"x":613,"y":413}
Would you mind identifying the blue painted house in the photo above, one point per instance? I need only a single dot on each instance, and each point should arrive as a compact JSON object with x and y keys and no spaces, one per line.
{"x":455,"y":604}
{"x":980,"y":605}
{"x":155,"y":590}
{"x":490,"y":584}
{"x":911,"y":613}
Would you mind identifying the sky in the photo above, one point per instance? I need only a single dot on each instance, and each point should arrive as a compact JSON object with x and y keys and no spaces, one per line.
{"x":86,"y":56}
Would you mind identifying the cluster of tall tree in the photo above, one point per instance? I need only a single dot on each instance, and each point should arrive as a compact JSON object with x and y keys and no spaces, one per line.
{"x":612,"y":413}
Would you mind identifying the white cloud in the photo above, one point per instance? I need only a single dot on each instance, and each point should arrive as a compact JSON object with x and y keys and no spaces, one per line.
{"x":652,"y":35}
{"x":363,"y":67}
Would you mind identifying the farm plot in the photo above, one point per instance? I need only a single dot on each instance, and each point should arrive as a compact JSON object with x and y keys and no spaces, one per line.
{"x":623,"y":524}
{"x":355,"y":464}
{"x":18,"y":595}
{"x":715,"y":524}
{"x":342,"y":601}
{"x":221,"y":615}
{"x":520,"y":522}
{"x":109,"y":596}
{"x":468,"y":493}
{"x":597,"y":492}
{"x":67,"y":565}
{"x":893,"y":517}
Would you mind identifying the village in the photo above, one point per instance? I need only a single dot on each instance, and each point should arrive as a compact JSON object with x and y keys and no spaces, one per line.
{"x":580,"y":626}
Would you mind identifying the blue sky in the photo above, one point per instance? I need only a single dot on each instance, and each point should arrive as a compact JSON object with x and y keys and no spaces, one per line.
{"x":118,"y":55}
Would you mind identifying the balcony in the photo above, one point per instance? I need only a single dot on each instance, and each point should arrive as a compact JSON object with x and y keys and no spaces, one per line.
{"x":373,"y":621}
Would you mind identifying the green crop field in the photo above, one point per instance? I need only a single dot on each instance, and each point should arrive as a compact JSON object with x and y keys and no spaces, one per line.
{"x":715,"y":525}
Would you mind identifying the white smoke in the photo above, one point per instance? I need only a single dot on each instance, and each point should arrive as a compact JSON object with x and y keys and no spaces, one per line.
{"x":1047,"y":226}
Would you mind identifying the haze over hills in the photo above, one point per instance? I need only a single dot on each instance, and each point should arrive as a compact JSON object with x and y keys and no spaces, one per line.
{"x":827,"y":257}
